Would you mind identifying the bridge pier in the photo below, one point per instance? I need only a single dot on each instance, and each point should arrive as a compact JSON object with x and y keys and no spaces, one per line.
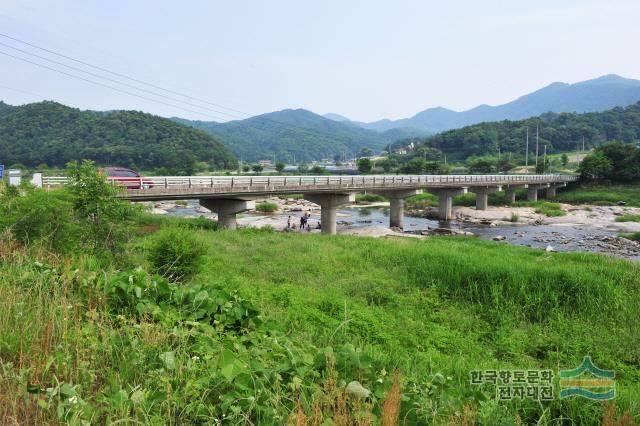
{"x":445,"y":211}
{"x":328,"y":204}
{"x":532,"y":191}
{"x":482,"y":195}
{"x":227,"y":208}
{"x":510,"y":193}
{"x":551,"y":190}
{"x":396,"y":205}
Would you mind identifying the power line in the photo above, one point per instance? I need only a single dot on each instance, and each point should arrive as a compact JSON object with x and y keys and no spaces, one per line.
{"x":121,"y":75}
{"x":113,"y":80}
{"x":102,"y":84}
{"x":249,"y":120}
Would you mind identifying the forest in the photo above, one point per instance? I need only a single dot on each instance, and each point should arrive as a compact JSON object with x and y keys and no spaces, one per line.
{"x":51,"y":134}
{"x":563,"y":132}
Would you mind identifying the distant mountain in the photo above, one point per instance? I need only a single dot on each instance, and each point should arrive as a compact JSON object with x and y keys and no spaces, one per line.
{"x":563,"y":132}
{"x":53,"y":134}
{"x":335,"y":117}
{"x":5,"y":109}
{"x":595,"y":95}
{"x":296,"y":135}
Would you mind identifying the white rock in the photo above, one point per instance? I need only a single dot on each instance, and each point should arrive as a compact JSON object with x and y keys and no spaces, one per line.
{"x":356,"y":389}
{"x":549,"y":249}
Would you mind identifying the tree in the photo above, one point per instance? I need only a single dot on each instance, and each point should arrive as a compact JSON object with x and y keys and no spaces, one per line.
{"x":388,"y":164}
{"x":246,"y":168}
{"x":505,"y":164}
{"x":303,"y":169}
{"x":364,"y":165}
{"x":279,"y":167}
{"x":414,"y":166}
{"x":595,"y":166}
{"x":365,"y":152}
{"x":318,"y":170}
{"x":95,"y":204}
{"x":481,"y":165}
{"x":625,"y":159}
{"x":564,"y":159}
{"x":544,"y":165}
{"x":257,"y":168}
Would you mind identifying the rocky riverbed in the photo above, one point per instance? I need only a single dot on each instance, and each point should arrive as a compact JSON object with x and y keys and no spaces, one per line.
{"x":584,"y":228}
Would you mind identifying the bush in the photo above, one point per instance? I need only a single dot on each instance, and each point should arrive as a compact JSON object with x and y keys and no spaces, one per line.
{"x":39,"y":216}
{"x":514,"y":217}
{"x":267,"y":207}
{"x":628,"y":218}
{"x":634,"y":236}
{"x":176,"y":253}
{"x":369,"y":198}
{"x":550,"y":209}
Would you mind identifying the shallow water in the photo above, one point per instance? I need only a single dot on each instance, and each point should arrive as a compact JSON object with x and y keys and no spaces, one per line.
{"x":561,"y":238}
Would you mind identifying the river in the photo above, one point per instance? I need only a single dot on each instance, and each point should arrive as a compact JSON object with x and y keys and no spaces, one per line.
{"x":559,"y":237}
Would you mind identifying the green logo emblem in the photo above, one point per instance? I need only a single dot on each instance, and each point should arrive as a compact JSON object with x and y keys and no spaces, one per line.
{"x":601,"y":386}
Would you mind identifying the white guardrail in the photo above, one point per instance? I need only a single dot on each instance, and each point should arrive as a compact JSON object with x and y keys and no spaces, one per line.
{"x":148,"y":182}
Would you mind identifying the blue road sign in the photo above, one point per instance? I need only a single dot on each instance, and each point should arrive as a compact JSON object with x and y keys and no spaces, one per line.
{"x":1,"y":171}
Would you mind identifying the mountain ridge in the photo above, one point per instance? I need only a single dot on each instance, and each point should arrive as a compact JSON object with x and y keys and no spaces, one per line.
{"x":598,"y":94}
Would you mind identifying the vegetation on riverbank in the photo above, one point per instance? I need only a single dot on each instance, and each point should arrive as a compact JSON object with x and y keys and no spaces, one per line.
{"x":602,"y":195}
{"x":628,"y":218}
{"x":356,"y":330}
{"x":369,"y":198}
{"x":267,"y":207}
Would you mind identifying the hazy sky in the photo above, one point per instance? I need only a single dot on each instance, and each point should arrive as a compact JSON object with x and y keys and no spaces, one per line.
{"x":364,"y":59}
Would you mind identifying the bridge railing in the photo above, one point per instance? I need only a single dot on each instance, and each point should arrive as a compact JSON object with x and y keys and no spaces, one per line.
{"x":150,"y":182}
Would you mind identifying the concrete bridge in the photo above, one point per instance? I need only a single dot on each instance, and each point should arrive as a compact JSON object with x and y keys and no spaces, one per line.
{"x":227,"y":196}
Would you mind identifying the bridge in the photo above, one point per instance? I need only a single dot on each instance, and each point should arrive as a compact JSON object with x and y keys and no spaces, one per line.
{"x":229,"y":195}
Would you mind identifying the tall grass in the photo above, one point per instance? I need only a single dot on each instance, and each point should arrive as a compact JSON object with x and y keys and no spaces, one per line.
{"x":628,"y":218}
{"x":324,"y":312}
{"x":602,"y":195}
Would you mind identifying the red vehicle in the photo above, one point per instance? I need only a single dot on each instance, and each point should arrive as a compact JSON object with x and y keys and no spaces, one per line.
{"x":126,"y":178}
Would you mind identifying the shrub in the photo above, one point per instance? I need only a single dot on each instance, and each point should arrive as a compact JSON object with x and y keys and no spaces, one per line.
{"x":634,"y":236}
{"x":267,"y":207}
{"x":514,"y":217}
{"x":175,"y":253}
{"x":369,"y":198}
{"x":550,"y":209}
{"x":628,"y":218}
{"x":40,"y":216}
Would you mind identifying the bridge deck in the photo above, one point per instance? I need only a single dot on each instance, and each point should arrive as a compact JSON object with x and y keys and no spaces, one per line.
{"x":185,"y":187}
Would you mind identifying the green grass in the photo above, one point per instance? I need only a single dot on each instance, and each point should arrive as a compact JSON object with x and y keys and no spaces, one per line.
{"x":449,"y":305}
{"x":267,"y":207}
{"x":546,"y":208}
{"x":628,"y":218}
{"x":550,"y":209}
{"x":633,"y":236}
{"x":602,"y":195}
{"x":431,"y":309}
{"x":290,"y":196}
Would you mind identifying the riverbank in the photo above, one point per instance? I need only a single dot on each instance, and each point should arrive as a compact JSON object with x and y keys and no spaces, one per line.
{"x":585,"y":228}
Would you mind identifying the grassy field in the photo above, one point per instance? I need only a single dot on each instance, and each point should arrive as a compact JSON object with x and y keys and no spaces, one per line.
{"x":429,"y":310}
{"x":260,"y":327}
{"x":601,"y":195}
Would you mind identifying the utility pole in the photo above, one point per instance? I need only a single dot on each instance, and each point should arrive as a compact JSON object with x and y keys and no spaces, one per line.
{"x":582,"y":143}
{"x":544,"y":161}
{"x":526,"y":152}
{"x":537,"y":140}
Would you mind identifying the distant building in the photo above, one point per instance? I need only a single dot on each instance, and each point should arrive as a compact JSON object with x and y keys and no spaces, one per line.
{"x":265,"y":163}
